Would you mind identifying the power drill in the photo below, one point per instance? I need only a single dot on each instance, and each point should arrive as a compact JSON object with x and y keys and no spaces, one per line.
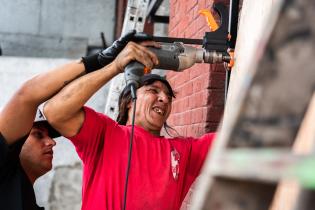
{"x":174,"y":56}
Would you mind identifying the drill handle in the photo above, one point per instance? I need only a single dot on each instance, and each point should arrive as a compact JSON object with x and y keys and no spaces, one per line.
{"x":133,"y":73}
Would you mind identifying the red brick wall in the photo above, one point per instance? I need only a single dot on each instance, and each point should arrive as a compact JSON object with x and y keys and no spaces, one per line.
{"x":199,"y":104}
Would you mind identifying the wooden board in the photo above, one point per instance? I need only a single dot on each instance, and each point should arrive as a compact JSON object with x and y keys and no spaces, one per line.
{"x":266,"y":105}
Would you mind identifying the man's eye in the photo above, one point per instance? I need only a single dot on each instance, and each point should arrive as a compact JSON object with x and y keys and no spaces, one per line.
{"x":38,"y":135}
{"x":153,"y":90}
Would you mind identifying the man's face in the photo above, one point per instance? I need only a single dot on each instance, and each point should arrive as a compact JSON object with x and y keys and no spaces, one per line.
{"x":153,"y":106}
{"x":37,"y":154}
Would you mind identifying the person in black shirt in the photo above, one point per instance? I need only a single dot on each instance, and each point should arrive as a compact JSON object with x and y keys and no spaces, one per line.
{"x":22,"y":162}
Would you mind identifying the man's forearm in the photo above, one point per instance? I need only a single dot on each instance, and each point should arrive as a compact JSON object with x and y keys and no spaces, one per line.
{"x":48,"y":84}
{"x":16,"y":119}
{"x":66,"y":105}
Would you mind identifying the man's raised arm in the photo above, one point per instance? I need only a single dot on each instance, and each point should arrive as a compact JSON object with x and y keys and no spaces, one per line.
{"x":64,"y":111}
{"x":16,"y":118}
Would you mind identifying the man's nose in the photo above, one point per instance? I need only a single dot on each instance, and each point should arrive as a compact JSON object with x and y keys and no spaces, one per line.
{"x":163,"y":97}
{"x":50,"y":142}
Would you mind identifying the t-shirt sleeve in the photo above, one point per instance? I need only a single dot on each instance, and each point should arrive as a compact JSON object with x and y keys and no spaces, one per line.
{"x":9,"y":156}
{"x":90,"y":139}
{"x":3,"y":150}
{"x":199,"y":150}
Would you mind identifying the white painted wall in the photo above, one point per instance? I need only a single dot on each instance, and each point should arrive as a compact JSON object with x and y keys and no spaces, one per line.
{"x":54,"y":28}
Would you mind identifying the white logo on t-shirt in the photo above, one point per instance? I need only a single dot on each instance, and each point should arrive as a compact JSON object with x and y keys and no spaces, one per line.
{"x":175,"y":163}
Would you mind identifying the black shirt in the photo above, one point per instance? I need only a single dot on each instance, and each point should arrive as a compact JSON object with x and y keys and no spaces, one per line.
{"x":16,"y":190}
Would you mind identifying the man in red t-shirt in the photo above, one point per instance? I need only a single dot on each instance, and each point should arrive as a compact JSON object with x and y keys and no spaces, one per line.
{"x":161,"y":170}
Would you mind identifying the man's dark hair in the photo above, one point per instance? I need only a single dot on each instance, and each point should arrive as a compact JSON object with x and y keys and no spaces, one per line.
{"x":125,"y":98}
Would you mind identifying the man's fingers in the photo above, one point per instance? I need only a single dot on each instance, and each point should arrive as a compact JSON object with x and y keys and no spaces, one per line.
{"x":151,"y":54}
{"x":143,"y":54}
{"x":150,"y":44}
{"x":136,"y":52}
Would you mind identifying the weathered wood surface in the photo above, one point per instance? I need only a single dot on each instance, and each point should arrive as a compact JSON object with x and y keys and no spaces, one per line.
{"x":282,"y":87}
{"x":289,"y":192}
{"x":265,"y":165}
{"x":267,"y":99}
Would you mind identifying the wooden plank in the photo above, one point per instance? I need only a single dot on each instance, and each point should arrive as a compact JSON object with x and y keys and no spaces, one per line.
{"x":246,"y":53}
{"x":282,"y":87}
{"x":267,"y":102}
{"x":239,"y":195}
{"x":265,"y":165}
{"x":289,"y":192}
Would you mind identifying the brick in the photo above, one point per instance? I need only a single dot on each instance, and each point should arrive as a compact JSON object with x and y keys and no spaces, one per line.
{"x":201,"y":129}
{"x":211,"y":127}
{"x":195,"y":130}
{"x":187,"y":117}
{"x":189,"y":131}
{"x":196,"y":12}
{"x":217,"y":80}
{"x":170,"y":119}
{"x":191,"y":4}
{"x":201,"y":82}
{"x":202,"y":31}
{"x":226,"y":2}
{"x":200,"y":22}
{"x":197,"y":115}
{"x":190,"y":30}
{"x":205,"y":97}
{"x":180,"y":105}
{"x":175,"y":106}
{"x":192,"y":102}
{"x":182,"y":9}
{"x":182,"y":78}
{"x":182,"y":130}
{"x":216,"y":97}
{"x":178,"y":93}
{"x":217,"y":67}
{"x":180,"y":119}
{"x":183,"y":22}
{"x":187,"y":89}
{"x":202,"y":4}
{"x":214,"y":113}
{"x":196,"y":71}
{"x":205,"y":114}
{"x":191,"y":16}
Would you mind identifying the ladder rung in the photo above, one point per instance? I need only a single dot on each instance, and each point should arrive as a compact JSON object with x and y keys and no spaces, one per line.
{"x":268,"y":165}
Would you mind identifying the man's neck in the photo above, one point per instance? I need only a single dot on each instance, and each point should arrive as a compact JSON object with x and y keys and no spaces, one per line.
{"x":29,"y":173}
{"x":152,"y":131}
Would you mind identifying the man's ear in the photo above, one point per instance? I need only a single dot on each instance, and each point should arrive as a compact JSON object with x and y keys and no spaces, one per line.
{"x":129,"y":105}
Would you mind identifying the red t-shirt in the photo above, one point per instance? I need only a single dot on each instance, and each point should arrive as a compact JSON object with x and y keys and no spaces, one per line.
{"x":161,"y":173}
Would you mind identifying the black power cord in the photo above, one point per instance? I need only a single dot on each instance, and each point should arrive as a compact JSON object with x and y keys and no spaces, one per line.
{"x":134,"y":100}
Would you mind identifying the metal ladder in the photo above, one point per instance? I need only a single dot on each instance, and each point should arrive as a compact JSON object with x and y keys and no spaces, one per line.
{"x":135,"y":17}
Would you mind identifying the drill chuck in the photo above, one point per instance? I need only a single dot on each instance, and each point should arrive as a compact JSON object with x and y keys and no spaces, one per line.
{"x":216,"y":57}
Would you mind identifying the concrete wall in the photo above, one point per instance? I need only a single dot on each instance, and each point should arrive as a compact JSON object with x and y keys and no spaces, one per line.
{"x":54,"y":28}
{"x":61,"y":187}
